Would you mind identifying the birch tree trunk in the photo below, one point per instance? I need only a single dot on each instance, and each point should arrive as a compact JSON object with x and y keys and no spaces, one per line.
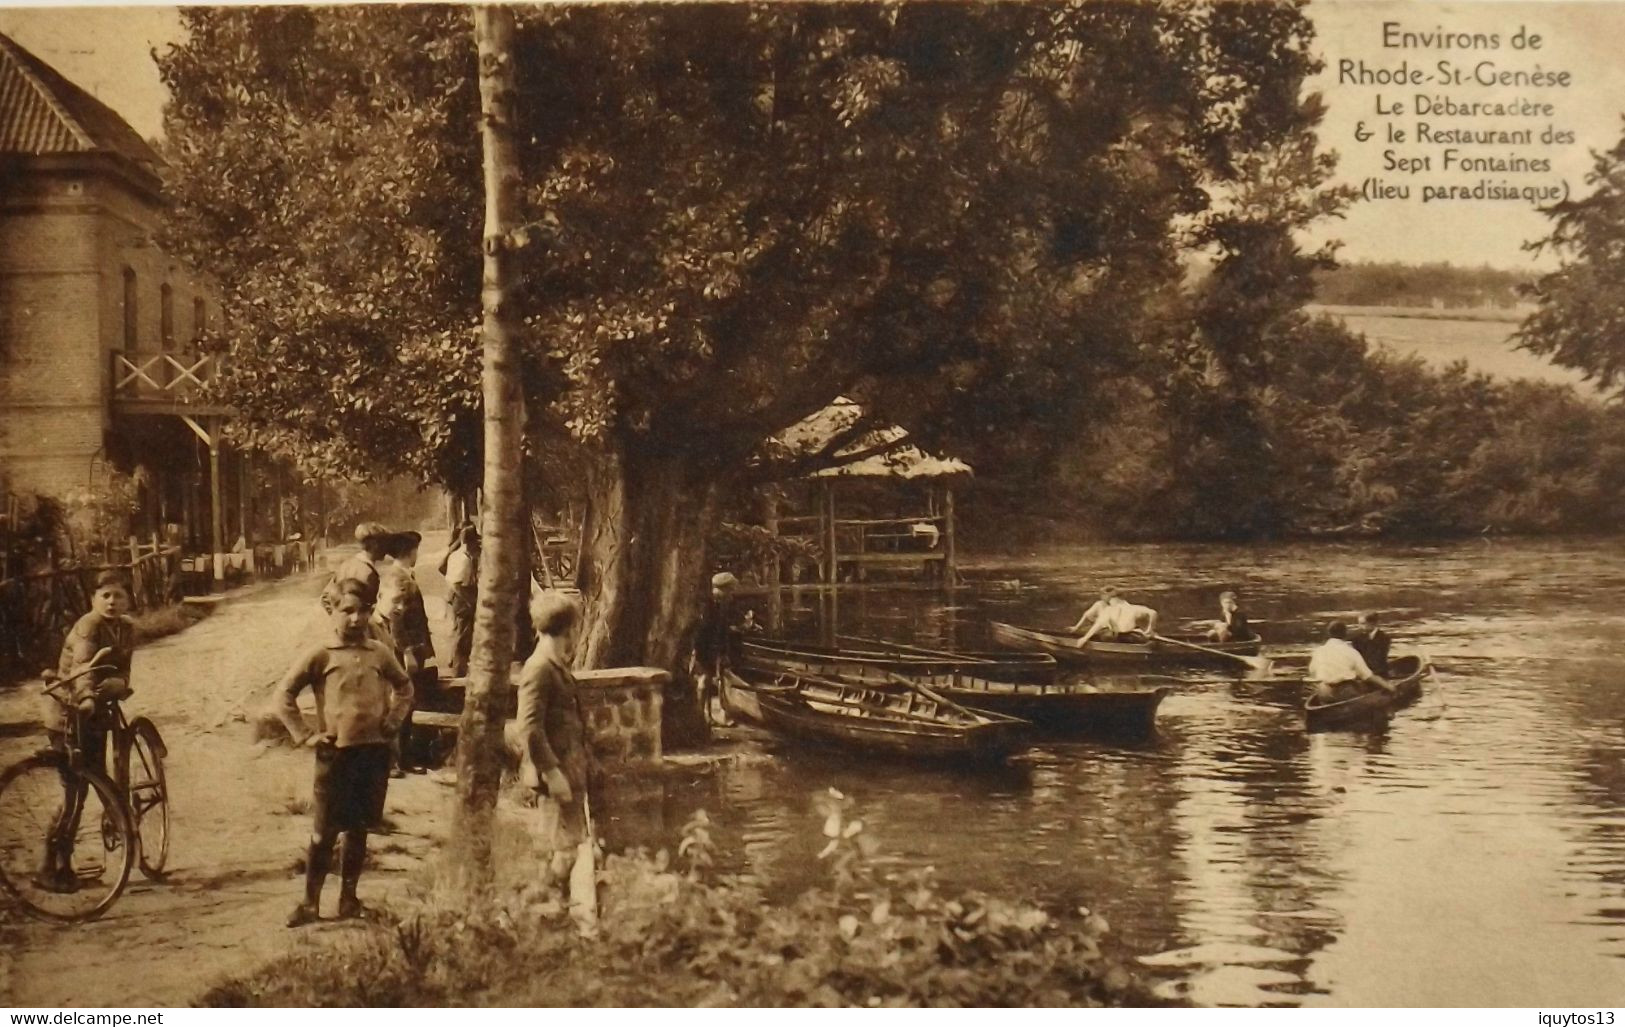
{"x":480,"y":746}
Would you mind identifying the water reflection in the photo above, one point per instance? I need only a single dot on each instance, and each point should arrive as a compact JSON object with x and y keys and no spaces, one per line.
{"x":1472,"y":853}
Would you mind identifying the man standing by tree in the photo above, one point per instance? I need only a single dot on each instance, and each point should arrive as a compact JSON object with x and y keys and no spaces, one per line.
{"x":461,"y":568}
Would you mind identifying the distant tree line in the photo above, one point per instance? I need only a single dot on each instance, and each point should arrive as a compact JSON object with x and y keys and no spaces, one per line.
{"x":1392,"y":284}
{"x":1345,"y":440}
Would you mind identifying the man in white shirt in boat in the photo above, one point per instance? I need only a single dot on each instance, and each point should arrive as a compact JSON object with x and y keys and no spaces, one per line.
{"x":1336,"y":667}
{"x":1115,"y":619}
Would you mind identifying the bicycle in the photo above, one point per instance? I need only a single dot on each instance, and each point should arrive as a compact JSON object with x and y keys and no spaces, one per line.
{"x":117,"y":823}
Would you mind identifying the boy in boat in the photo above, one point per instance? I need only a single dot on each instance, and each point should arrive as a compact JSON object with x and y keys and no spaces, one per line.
{"x":102,"y":637}
{"x":362,"y":695}
{"x":1116,"y":620}
{"x":1232,"y":625}
{"x":1336,"y":668}
{"x":1373,"y":644}
{"x":554,"y":761}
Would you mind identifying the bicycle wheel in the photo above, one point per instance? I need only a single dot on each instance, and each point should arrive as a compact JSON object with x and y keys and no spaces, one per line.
{"x":141,"y":775}
{"x":98,"y":851}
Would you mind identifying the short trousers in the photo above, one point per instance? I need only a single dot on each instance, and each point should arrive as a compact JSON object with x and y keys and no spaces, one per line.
{"x":350,"y":787}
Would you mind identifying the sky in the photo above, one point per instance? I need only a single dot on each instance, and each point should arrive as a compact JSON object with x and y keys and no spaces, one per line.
{"x":107,"y":50}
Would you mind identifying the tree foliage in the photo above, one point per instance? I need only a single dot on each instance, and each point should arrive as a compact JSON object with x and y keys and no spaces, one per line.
{"x":735,"y":212}
{"x":1356,"y":441}
{"x":1580,"y":320}
{"x":968,"y":217}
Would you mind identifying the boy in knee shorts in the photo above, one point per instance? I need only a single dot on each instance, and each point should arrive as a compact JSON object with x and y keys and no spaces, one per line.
{"x":362,"y":695}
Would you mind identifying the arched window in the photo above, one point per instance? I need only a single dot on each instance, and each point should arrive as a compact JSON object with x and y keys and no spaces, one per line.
{"x":200,"y":318}
{"x":131,"y":315}
{"x":166,"y":316}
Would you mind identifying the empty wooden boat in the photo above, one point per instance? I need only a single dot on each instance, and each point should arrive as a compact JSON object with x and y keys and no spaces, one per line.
{"x":1052,"y":706}
{"x":876,"y":656}
{"x":902,"y":723}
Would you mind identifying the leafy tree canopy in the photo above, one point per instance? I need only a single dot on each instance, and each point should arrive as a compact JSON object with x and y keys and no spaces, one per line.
{"x":734,"y":213}
{"x":1580,"y":321}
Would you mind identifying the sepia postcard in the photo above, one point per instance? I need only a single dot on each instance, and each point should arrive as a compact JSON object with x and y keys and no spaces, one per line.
{"x":881,"y":504}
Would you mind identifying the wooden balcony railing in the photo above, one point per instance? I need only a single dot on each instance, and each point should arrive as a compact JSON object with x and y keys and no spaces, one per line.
{"x":165,"y":377}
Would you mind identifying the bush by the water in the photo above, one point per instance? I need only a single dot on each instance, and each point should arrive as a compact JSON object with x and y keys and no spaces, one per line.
{"x":675,"y":933}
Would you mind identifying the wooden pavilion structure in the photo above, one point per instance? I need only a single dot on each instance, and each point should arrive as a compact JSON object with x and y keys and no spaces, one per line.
{"x":897,"y":500}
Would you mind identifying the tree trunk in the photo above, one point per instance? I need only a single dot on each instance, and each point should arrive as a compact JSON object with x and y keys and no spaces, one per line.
{"x":480,"y":748}
{"x":644,"y":571}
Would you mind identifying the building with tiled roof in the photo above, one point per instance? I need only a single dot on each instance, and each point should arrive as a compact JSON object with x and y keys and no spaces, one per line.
{"x":100,"y":365}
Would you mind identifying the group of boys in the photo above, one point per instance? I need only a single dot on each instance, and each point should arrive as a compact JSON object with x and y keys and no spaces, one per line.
{"x":1348,"y":657}
{"x":364,"y":678}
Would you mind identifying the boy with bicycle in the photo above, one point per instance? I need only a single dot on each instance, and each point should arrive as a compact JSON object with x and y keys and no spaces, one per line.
{"x":362,"y":696}
{"x":105,"y":638}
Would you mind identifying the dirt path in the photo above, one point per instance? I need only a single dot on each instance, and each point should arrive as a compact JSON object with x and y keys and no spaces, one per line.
{"x":240,"y":820}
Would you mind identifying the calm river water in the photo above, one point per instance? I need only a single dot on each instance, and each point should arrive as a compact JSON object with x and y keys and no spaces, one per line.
{"x":1473,"y":853}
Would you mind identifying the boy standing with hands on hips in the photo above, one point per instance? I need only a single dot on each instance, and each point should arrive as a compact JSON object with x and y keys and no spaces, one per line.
{"x":362,"y":696}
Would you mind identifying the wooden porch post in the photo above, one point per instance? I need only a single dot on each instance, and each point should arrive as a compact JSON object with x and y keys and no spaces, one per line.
{"x":770,"y":517}
{"x":278,"y":472}
{"x":832,"y":558}
{"x":321,"y":510}
{"x":775,"y":595}
{"x":216,"y":498}
{"x":245,"y":503}
{"x":950,"y":576}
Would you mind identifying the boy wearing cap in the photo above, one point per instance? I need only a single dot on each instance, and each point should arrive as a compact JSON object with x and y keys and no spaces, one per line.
{"x":715,"y":647}
{"x":400,"y":604}
{"x":363,"y":566}
{"x":554,"y":759}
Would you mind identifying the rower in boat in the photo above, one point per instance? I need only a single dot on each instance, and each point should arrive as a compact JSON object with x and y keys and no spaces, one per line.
{"x":1116,"y":620}
{"x":1337,"y":669}
{"x":1373,"y":643}
{"x":1232,"y":625}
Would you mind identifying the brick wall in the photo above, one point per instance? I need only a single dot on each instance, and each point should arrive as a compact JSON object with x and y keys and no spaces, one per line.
{"x":51,"y":371}
{"x":67,"y":236}
{"x":621,"y":707}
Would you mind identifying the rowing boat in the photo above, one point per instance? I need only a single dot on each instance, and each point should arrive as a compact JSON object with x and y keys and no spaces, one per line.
{"x":1063,"y":646}
{"x":1372,"y":706}
{"x":871,"y":656}
{"x":897,"y":723}
{"x":1051,"y":705}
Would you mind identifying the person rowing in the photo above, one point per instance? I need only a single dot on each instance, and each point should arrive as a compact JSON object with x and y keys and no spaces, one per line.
{"x":1335,"y":665}
{"x":1115,"y":619}
{"x":1232,"y":625}
{"x":1372,"y":643}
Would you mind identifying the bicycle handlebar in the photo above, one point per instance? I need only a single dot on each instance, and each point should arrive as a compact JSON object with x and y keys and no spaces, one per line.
{"x":55,"y":684}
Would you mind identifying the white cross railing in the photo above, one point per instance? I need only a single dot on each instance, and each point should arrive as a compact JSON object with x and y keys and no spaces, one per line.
{"x":168,"y":376}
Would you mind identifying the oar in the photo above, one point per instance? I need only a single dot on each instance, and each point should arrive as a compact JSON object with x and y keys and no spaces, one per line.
{"x":956,"y":657}
{"x":1258,"y":663}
